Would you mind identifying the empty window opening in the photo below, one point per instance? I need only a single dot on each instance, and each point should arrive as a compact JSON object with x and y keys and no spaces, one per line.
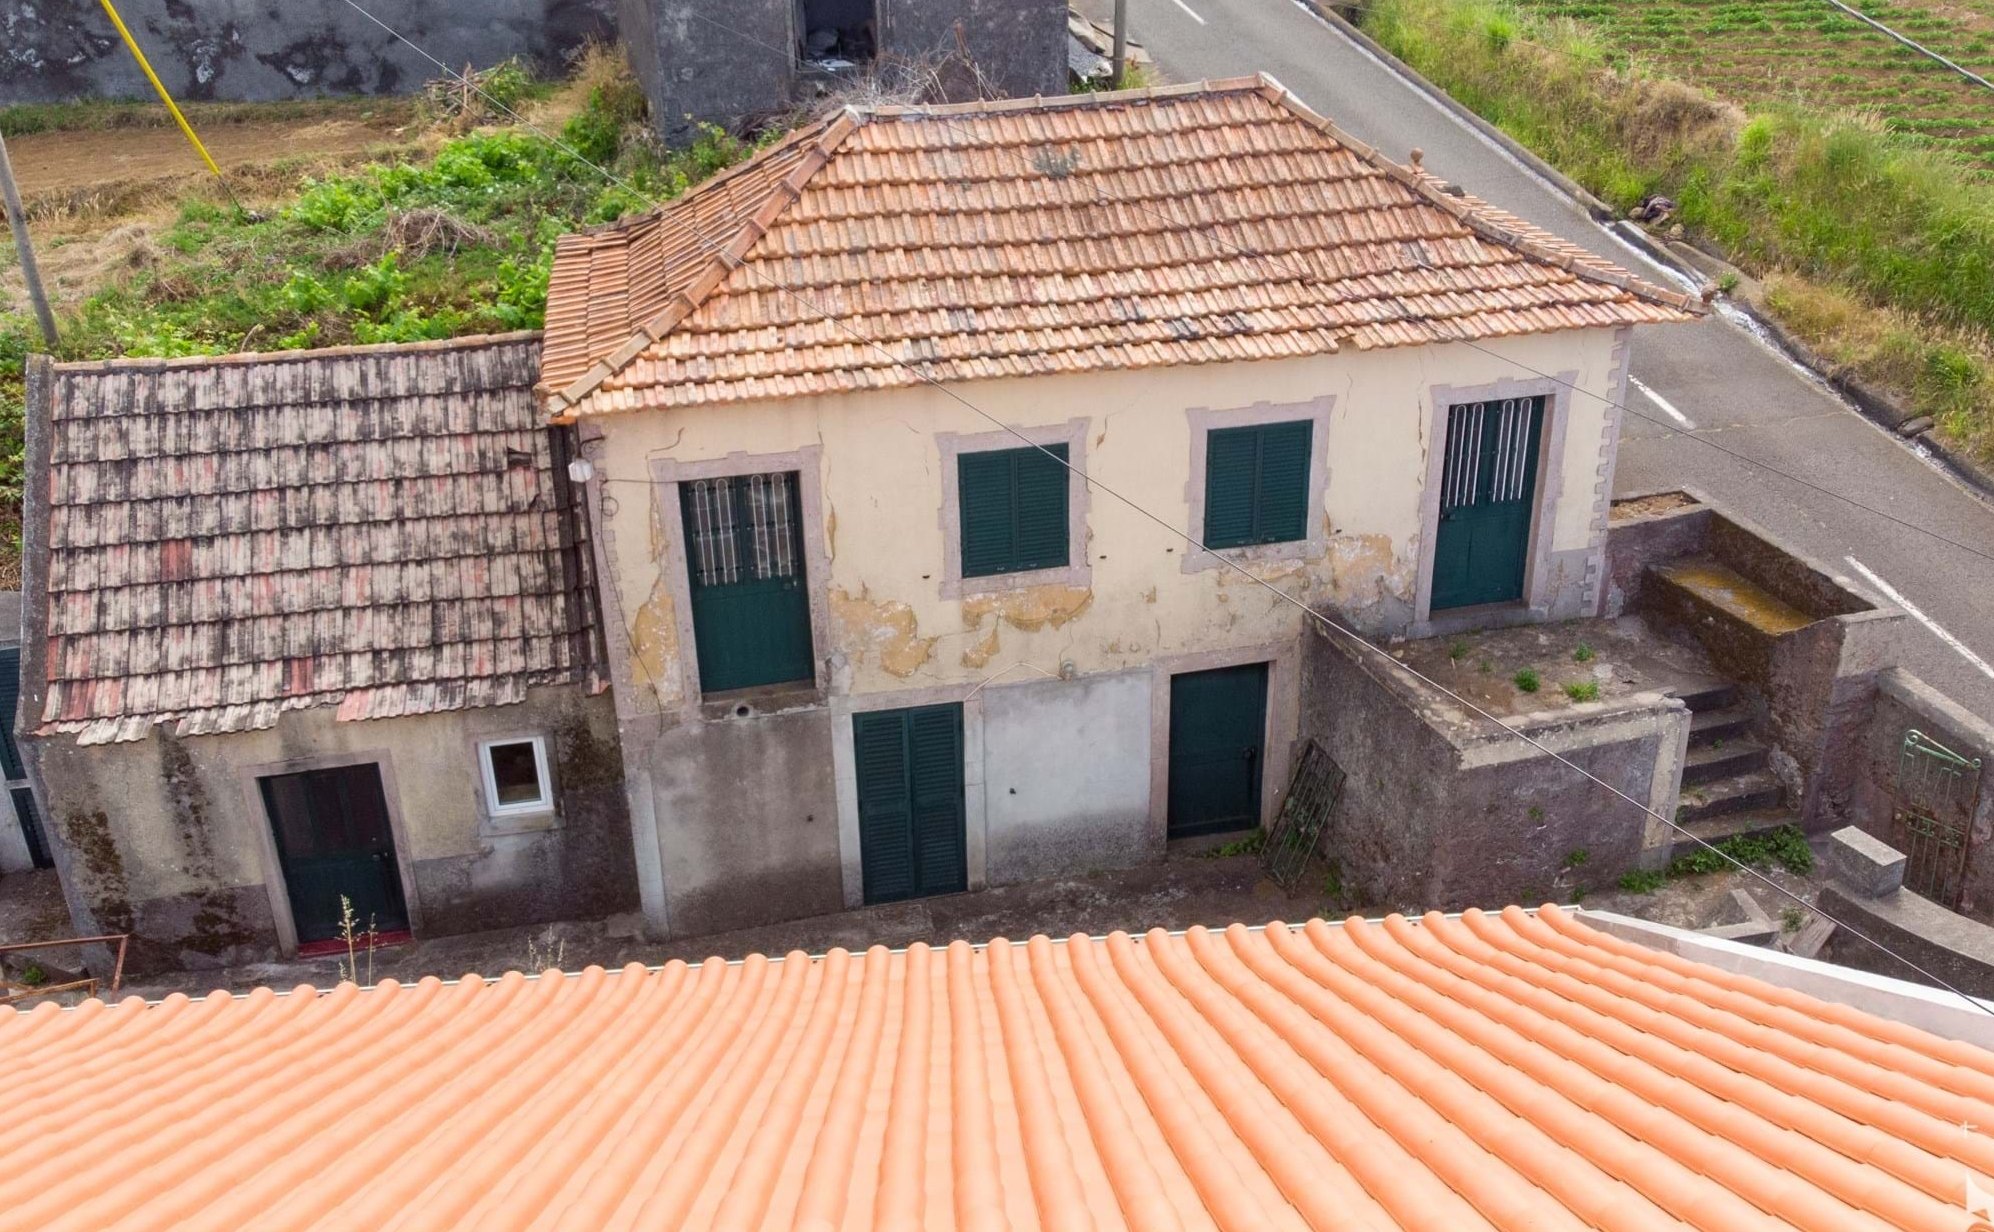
{"x":836,"y":34}
{"x":516,"y":776}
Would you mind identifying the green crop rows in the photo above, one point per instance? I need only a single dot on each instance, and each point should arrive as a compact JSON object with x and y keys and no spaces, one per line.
{"x":1809,"y":52}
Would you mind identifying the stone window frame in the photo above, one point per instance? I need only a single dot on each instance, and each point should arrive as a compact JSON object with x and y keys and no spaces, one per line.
{"x":494,"y":820}
{"x":666,"y":476}
{"x":1202,"y":421}
{"x":281,"y":916}
{"x":1556,"y":390}
{"x":1078,"y":572}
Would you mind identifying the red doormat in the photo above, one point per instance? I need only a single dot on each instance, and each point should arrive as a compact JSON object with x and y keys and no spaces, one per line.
{"x":319,"y":949}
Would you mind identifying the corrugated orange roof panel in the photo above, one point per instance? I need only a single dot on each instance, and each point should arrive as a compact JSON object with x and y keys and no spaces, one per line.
{"x":1512,"y":1071}
{"x":1190,"y":224}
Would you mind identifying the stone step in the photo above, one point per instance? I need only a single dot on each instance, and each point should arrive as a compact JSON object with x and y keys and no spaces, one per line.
{"x":1740,"y":793}
{"x":1721,"y":759}
{"x":1719,"y":695}
{"x":1759,"y":821}
{"x":1707,"y":727}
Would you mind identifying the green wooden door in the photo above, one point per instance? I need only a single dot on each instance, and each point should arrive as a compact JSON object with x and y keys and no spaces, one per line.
{"x":1488,"y":487}
{"x":333,"y":839}
{"x":911,"y":840}
{"x":750,"y":604}
{"x":1218,"y":726}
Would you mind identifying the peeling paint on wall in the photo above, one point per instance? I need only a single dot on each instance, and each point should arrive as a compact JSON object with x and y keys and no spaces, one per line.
{"x":654,"y":644}
{"x":890,"y":630}
{"x":982,"y":651}
{"x":1030,"y":609}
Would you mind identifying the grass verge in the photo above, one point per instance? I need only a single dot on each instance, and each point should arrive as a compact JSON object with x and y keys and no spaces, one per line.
{"x":1879,"y":248}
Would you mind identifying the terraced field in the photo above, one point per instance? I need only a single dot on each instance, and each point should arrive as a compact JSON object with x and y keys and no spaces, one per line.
{"x":1808,"y":51}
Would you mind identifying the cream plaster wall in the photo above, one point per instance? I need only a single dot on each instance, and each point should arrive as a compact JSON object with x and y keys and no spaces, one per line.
{"x":883,"y":521}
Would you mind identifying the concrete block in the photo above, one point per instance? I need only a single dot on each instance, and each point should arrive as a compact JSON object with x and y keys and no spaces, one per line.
{"x":1864,"y":863}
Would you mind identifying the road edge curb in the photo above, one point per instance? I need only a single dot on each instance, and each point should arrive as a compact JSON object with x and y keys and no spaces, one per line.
{"x":1867,"y":402}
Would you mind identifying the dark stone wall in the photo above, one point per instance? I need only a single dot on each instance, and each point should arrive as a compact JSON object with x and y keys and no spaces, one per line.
{"x":1428,"y":822}
{"x":735,"y":63}
{"x":259,"y":50}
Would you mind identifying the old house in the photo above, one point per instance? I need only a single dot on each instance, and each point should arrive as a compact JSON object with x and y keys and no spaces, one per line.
{"x":902,"y":438}
{"x":314,"y":626}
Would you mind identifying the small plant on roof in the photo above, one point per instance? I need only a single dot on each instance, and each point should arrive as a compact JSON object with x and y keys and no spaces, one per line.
{"x":1527,"y":680}
{"x":1583,"y":690}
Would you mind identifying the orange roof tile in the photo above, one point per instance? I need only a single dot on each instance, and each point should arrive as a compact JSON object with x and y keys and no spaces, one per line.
{"x":1134,"y":229}
{"x":1509,"y":1071}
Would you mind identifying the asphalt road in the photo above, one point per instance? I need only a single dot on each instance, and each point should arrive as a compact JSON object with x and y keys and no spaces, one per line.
{"x":1735,"y":390}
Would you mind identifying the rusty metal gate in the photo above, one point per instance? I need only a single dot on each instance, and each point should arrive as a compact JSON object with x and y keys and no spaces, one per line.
{"x":1297,"y":832}
{"x":1932,"y":815}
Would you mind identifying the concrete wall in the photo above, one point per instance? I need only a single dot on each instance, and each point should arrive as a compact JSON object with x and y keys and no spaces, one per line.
{"x":724,"y":64}
{"x":167,"y":838}
{"x":895,"y":628}
{"x":1440,"y":811}
{"x":259,"y":50}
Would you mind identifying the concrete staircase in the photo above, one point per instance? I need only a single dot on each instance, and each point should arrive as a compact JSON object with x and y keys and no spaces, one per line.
{"x":1728,"y":787}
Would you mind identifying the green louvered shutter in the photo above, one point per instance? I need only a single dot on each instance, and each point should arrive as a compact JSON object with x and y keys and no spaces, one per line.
{"x":10,"y":698}
{"x":1257,"y":484}
{"x":910,"y":790}
{"x":934,"y":744}
{"x":886,"y":806}
{"x":1014,"y":510}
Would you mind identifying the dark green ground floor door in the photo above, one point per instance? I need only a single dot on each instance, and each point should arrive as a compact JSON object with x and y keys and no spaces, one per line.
{"x":1488,"y":489}
{"x":910,"y":789}
{"x":333,"y":839}
{"x":1218,"y":733}
{"x":750,"y":604}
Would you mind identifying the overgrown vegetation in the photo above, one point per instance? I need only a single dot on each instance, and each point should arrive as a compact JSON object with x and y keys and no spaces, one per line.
{"x":1869,"y":226}
{"x":1785,"y":847}
{"x":458,"y":242}
{"x":1582,"y":690}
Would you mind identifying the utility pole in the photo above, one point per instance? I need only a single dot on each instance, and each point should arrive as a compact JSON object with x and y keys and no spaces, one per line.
{"x":1121,"y":42}
{"x":17,"y":218}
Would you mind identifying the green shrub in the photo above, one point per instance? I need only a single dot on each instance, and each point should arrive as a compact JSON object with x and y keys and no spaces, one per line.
{"x":1582,"y":653}
{"x":1527,"y":680}
{"x":1582,"y":690}
{"x":1643,"y":880}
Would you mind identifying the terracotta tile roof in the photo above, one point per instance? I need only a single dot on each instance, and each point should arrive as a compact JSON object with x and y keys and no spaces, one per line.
{"x":372,"y":528}
{"x":1030,"y":236}
{"x":1509,"y":1071}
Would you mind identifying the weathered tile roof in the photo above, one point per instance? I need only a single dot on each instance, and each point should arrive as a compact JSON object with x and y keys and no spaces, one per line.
{"x":1510,"y":1071}
{"x":1192,"y":224}
{"x":372,"y":528}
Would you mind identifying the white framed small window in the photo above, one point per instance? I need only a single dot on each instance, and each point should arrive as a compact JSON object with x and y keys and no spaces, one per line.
{"x":515,"y":772}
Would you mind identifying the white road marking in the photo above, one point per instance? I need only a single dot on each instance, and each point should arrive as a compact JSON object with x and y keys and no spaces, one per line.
{"x":1664,"y":403}
{"x":1911,"y":609}
{"x":1188,"y":9}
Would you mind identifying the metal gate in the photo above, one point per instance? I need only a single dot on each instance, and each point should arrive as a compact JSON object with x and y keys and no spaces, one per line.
{"x":1932,"y":816}
{"x":1297,"y":832}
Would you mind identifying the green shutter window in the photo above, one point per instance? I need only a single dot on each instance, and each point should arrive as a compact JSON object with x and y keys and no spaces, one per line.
{"x":1257,"y":484}
{"x":1014,"y":510}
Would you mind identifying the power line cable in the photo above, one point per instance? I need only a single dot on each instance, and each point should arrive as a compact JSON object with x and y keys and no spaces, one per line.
{"x":1327,"y":622}
{"x":1302,"y":274}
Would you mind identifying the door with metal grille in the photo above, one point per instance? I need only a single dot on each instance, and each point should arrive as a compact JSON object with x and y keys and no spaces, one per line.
{"x":1932,"y":816}
{"x":1488,"y":486}
{"x":910,"y":791}
{"x":750,"y":603}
